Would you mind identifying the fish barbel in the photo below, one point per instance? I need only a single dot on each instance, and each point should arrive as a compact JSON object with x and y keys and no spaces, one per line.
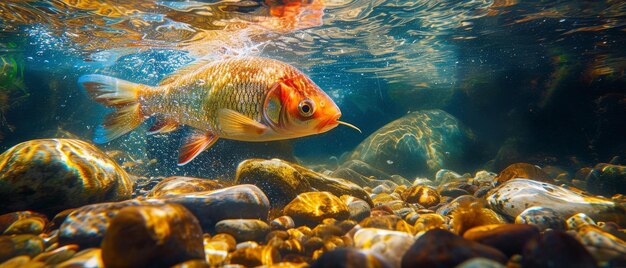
{"x":241,"y":98}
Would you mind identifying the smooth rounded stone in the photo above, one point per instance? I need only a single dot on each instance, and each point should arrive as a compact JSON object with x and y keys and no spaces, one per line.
{"x":181,"y":185}
{"x":358,"y":208}
{"x":312,"y":207}
{"x":515,"y":196}
{"x":152,"y":236}
{"x":247,"y":244}
{"x":601,"y":244}
{"x":58,"y":255}
{"x":237,"y":202}
{"x":389,"y":244}
{"x":484,"y":177}
{"x":349,"y":257}
{"x":276,"y":178}
{"x":419,"y":143}
{"x":16,"y":245}
{"x":91,"y":257}
{"x":87,"y":225}
{"x":22,"y":222}
{"x":523,"y":171}
{"x":441,"y":248}
{"x":467,"y":216}
{"x":556,"y":249}
{"x":226,"y":238}
{"x":51,"y":175}
{"x":382,"y":189}
{"x":445,"y":176}
{"x":17,"y":262}
{"x":579,"y":220}
{"x":216,"y":253}
{"x":282,"y":223}
{"x":243,"y":230}
{"x":362,"y":169}
{"x":412,"y":217}
{"x":286,"y":264}
{"x":482,"y":192}
{"x":508,"y":238}
{"x":480,"y":263}
{"x":382,"y":198}
{"x":447,"y":208}
{"x":255,"y":256}
{"x":192,"y":264}
{"x":607,"y":180}
{"x":386,"y":222}
{"x":541,"y":217}
{"x":336,"y":186}
{"x":422,"y":182}
{"x":287,"y":247}
{"x":422,"y":195}
{"x":454,"y":192}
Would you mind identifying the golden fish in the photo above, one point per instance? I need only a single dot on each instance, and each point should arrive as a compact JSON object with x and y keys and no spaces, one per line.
{"x":242,"y":98}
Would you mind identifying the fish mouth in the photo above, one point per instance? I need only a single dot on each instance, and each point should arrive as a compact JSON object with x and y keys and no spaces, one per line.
{"x":328,"y":124}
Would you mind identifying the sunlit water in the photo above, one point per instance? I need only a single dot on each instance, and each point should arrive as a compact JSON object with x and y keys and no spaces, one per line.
{"x":548,"y":75}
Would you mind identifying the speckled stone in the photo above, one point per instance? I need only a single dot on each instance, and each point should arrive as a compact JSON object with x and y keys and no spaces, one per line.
{"x":16,"y":245}
{"x":389,"y":244}
{"x":508,"y":238}
{"x":541,"y":217}
{"x":51,"y":175}
{"x":243,"y":230}
{"x":515,"y":196}
{"x":237,"y":202}
{"x":578,"y":220}
{"x":152,"y":236}
{"x":523,"y":171}
{"x":441,"y":248}
{"x":556,"y":247}
{"x":282,"y":223}
{"x":602,"y":244}
{"x":22,"y":222}
{"x":182,"y":185}
{"x":422,"y":195}
{"x":312,"y":207}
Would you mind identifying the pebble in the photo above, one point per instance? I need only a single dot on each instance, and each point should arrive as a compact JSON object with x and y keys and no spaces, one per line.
{"x":216,"y":253}
{"x":282,"y":223}
{"x":182,"y":185}
{"x":243,"y":230}
{"x":480,"y":263}
{"x":441,"y":248}
{"x":422,"y":195}
{"x":515,"y":196}
{"x":556,"y":247}
{"x":389,"y":244}
{"x":16,"y":245}
{"x":607,"y":180}
{"x":50,"y":175}
{"x":358,"y":208}
{"x":349,"y":257}
{"x":508,"y":238}
{"x":152,"y":236}
{"x":22,"y":222}
{"x":255,"y":256}
{"x":57,"y":256}
{"x":91,"y":257}
{"x":312,"y":207}
{"x":430,"y":221}
{"x":444,"y":176}
{"x":541,"y":217}
{"x":523,"y":171}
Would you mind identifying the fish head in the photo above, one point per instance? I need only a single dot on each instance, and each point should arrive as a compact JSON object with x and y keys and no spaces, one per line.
{"x":298,"y":107}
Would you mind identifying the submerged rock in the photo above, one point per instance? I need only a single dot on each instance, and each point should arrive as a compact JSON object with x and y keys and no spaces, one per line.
{"x":556,"y":249}
{"x":152,"y":236}
{"x":508,"y":238}
{"x":182,"y":185}
{"x":237,"y":202}
{"x":603,"y":245}
{"x":243,"y":230}
{"x":16,"y":245}
{"x":389,"y":244}
{"x":22,"y":222}
{"x":523,"y":171}
{"x":313,"y":207}
{"x":419,"y":143}
{"x":440,"y":248}
{"x":607,"y":180}
{"x":515,"y":196}
{"x":282,"y":223}
{"x":358,"y":208}
{"x":255,"y":256}
{"x":87,"y":258}
{"x":542,"y":218}
{"x":51,"y":175}
{"x":422,"y":195}
{"x":349,"y":257}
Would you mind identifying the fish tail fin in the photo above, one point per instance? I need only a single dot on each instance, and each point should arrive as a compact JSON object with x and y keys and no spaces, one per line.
{"x":119,"y":94}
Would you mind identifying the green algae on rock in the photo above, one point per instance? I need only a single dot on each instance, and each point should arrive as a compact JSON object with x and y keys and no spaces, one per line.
{"x":420,"y":143}
{"x":152,"y":236}
{"x":51,"y":175}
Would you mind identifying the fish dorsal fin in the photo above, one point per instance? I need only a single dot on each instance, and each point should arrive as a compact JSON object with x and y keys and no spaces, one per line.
{"x":238,"y":125}
{"x":192,"y":67}
{"x":194,"y":144}
{"x":163,"y":125}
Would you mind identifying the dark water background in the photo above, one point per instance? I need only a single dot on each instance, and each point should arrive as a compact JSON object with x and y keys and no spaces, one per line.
{"x":535,"y":81}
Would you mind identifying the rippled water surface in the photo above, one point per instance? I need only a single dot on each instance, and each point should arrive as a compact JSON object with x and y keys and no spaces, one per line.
{"x":549,"y":73}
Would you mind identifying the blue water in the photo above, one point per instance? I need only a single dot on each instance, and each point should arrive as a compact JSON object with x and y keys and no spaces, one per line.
{"x":539,"y":81}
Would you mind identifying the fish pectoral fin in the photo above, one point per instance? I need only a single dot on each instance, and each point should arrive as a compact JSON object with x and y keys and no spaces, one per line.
{"x":194,"y":144}
{"x":163,"y":125}
{"x":237,"y":124}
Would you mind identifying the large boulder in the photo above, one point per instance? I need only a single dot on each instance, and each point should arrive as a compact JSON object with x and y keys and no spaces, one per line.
{"x":417,"y":144}
{"x":51,"y":175}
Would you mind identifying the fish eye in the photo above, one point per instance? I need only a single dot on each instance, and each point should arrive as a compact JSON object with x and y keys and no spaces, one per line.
{"x":306,"y":108}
